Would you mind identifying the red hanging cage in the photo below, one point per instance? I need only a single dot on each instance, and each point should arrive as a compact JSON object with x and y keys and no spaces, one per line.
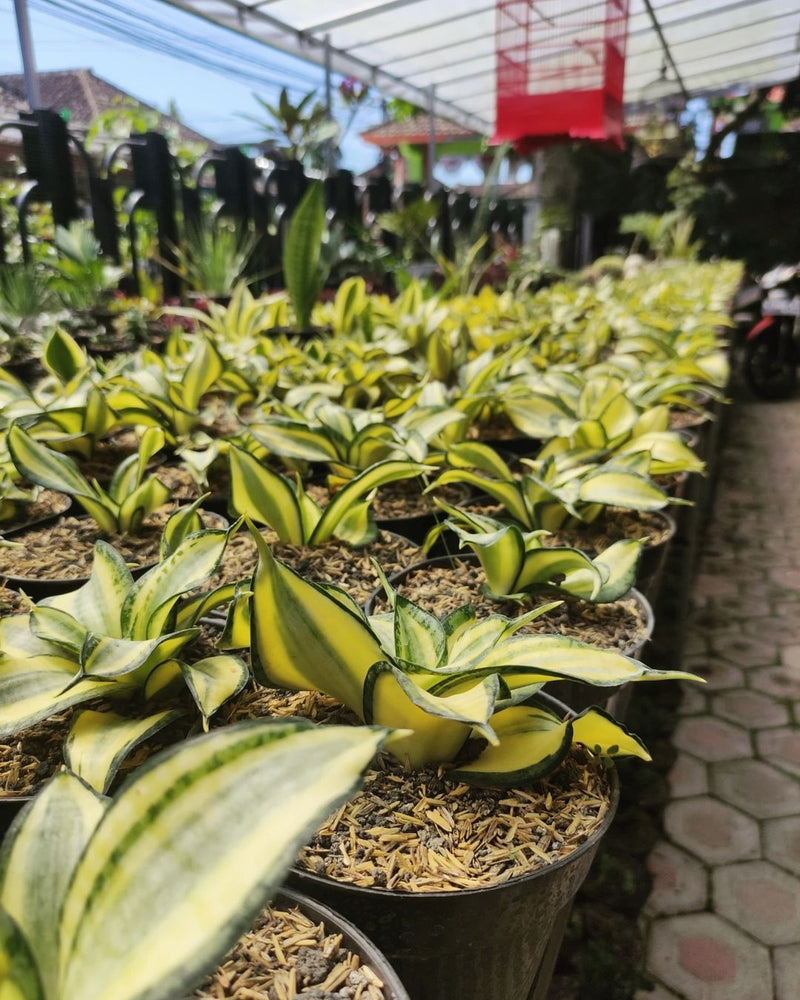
{"x":560,"y":71}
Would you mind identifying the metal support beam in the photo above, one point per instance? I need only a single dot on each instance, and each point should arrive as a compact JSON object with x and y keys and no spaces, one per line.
{"x":431,"y":134}
{"x":329,"y":144}
{"x":32,"y":91}
{"x":667,"y":53}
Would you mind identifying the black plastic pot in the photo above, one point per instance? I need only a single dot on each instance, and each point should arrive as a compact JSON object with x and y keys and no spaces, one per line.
{"x":415,"y":527}
{"x":9,"y":528}
{"x":493,"y":943}
{"x":653,"y":559}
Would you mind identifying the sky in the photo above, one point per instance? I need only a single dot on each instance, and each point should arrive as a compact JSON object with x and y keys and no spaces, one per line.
{"x":212,"y":101}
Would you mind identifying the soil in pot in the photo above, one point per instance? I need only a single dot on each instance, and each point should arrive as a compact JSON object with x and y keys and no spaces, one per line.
{"x":333,"y":562}
{"x":298,"y":948}
{"x":57,"y":556}
{"x":458,"y":886}
{"x":442,"y":585}
{"x":47,"y":505}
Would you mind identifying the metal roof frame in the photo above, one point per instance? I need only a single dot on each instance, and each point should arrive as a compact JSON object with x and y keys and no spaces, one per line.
{"x":443,"y":50}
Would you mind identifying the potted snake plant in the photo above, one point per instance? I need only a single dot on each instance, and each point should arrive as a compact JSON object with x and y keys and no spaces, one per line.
{"x":465,"y":690}
{"x":119,"y":654}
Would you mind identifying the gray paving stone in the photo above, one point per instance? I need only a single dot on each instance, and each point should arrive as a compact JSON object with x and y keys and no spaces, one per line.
{"x":702,"y":957}
{"x":777,"y":681}
{"x":760,"y":899}
{"x":786,"y":965}
{"x":756,"y":788}
{"x":781,"y":747}
{"x":688,"y":776}
{"x":745,"y":651}
{"x":680,"y":882}
{"x":781,"y":839}
{"x":718,"y":675}
{"x":749,"y":709}
{"x":711,"y":739}
{"x":711,"y":830}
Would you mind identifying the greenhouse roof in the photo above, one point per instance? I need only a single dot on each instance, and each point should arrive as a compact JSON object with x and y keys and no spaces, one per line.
{"x":403,"y":47}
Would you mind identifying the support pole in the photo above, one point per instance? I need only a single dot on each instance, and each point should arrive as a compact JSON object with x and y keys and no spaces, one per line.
{"x":328,"y":104}
{"x":431,"y":135}
{"x":32,"y":91}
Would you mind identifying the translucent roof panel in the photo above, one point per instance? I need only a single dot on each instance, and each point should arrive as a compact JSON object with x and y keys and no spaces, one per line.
{"x":404,"y":47}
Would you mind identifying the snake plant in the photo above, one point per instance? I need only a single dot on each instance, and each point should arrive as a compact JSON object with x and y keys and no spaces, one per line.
{"x":271,"y":499}
{"x":552,"y":492}
{"x":519,"y":563}
{"x":350,"y":440}
{"x":121,"y":640}
{"x":131,"y":494}
{"x":459,"y":684}
{"x":143,"y":895}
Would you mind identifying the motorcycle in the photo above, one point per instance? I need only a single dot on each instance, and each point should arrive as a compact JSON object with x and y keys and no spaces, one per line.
{"x":771,"y":347}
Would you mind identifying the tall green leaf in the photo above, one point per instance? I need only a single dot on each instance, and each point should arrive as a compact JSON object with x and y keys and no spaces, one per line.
{"x":301,"y":254}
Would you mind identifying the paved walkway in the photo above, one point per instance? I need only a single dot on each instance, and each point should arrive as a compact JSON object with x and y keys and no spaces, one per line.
{"x":723,"y":918}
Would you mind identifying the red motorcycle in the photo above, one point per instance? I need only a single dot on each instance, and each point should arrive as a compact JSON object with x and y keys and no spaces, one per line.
{"x":771,"y":350}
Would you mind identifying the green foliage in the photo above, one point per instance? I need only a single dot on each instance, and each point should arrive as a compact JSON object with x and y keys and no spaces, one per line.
{"x":446,"y":680}
{"x":213,"y":258}
{"x":302,"y":253}
{"x":301,"y":130}
{"x":83,"y":280}
{"x":93,"y":892}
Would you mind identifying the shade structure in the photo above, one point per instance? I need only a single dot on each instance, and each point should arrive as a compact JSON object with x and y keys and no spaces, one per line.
{"x":560,"y":71}
{"x":403,"y":47}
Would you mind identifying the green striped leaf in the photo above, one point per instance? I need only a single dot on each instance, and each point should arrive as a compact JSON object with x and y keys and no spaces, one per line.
{"x":59,"y":628}
{"x":293,"y":439}
{"x":152,"y":598}
{"x":20,"y":977}
{"x":36,"y":862}
{"x":622,"y":489}
{"x":202,"y":372}
{"x":213,"y":680}
{"x":157,"y":899}
{"x":439,"y":726}
{"x":377,"y":475}
{"x":304,"y":639}
{"x":475,"y":455}
{"x":566,"y":568}
{"x":501,"y":554}
{"x":98,"y":742}
{"x":301,"y":253}
{"x":264,"y":496}
{"x":35,"y":678}
{"x":418,"y":635}
{"x":618,"y":565}
{"x":98,"y":602}
{"x":45,"y":467}
{"x":532,"y":742}
{"x":506,"y":493}
{"x":103,"y":658}
{"x":63,"y":357}
{"x":184,"y":522}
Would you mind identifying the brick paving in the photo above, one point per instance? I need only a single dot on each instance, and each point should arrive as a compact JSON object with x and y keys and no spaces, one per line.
{"x":723,"y":918}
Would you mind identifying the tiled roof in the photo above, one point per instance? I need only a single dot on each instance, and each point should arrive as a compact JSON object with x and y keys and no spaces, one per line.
{"x":415,"y":130}
{"x":81,"y":93}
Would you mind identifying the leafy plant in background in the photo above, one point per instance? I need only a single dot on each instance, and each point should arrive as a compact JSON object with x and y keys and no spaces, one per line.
{"x":267,"y":497}
{"x":449,"y":681}
{"x":213,"y":257}
{"x":302,"y":131}
{"x":301,"y":256}
{"x":83,"y":280}
{"x":93,"y":891}
{"x":518,"y":564}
